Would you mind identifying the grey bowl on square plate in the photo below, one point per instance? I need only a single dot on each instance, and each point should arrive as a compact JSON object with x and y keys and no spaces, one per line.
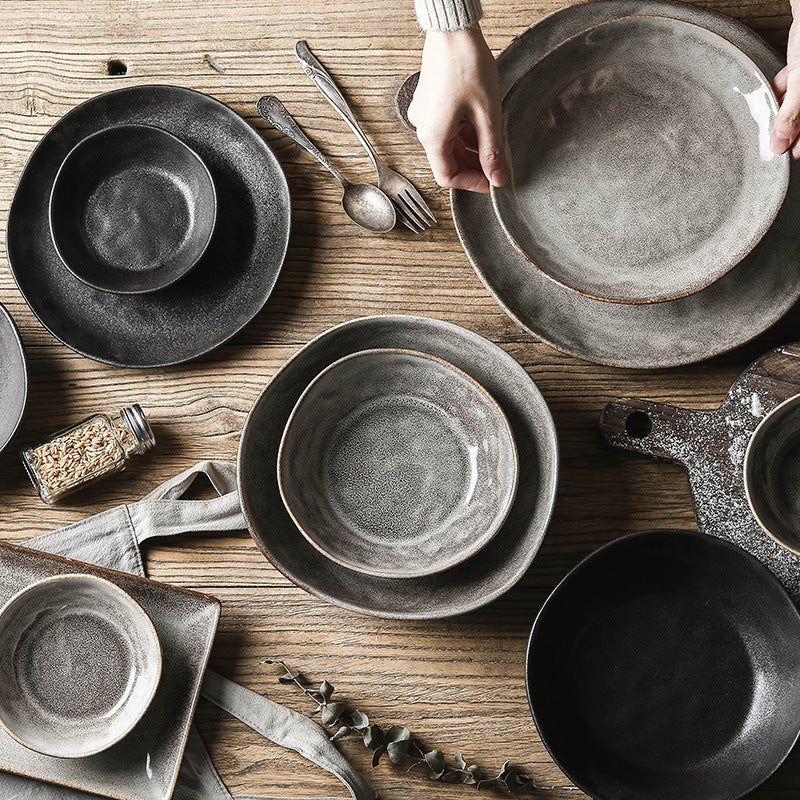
{"x":80,"y":664}
{"x":396,"y":464}
{"x":639,"y":160}
{"x":132,"y":209}
{"x":739,"y":306}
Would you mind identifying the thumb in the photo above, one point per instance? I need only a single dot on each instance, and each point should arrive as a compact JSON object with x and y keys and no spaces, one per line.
{"x":787,"y":123}
{"x":491,"y":151}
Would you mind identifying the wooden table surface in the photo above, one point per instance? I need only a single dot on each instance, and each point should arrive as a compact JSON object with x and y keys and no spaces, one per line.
{"x":458,"y":683}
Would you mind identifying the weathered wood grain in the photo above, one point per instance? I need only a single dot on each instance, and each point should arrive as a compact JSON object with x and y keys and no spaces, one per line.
{"x":457,"y":683}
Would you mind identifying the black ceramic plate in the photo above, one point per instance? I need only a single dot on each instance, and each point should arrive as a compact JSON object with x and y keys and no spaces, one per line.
{"x":13,"y":378}
{"x":465,"y":587}
{"x":664,"y":666}
{"x":223,"y":292}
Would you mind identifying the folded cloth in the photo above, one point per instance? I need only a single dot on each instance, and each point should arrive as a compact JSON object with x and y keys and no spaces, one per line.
{"x":112,"y":539}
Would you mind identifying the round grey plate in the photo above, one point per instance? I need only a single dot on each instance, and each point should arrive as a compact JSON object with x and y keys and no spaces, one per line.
{"x":13,"y":378}
{"x":639,"y":160}
{"x":80,"y":664}
{"x":736,"y":308}
{"x":224,"y":291}
{"x":395,"y":463}
{"x":465,"y":587}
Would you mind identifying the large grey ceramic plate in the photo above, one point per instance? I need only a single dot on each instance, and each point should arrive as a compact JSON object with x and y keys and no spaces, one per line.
{"x":225,"y":289}
{"x":639,"y":160}
{"x":13,"y":378}
{"x":144,"y":765}
{"x":396,"y":464}
{"x":736,"y":308}
{"x":465,"y":587}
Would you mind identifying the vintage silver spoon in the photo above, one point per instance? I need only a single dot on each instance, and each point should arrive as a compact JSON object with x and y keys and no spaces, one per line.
{"x":364,"y":203}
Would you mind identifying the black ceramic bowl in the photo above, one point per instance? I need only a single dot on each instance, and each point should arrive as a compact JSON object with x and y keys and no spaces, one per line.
{"x":664,"y":666}
{"x":132,"y":209}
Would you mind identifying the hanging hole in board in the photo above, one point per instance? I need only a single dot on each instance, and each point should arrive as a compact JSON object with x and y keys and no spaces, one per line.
{"x":116,"y":67}
{"x":638,"y":424}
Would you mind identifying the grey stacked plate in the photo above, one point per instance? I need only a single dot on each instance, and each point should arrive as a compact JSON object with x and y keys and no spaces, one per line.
{"x":728,"y":312}
{"x":489,"y":569}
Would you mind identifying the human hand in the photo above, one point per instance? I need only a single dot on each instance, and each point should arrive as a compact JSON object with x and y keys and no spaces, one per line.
{"x":456,"y":111}
{"x":787,"y":87}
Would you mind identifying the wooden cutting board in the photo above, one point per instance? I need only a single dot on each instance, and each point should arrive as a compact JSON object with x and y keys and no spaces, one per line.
{"x":711,"y":446}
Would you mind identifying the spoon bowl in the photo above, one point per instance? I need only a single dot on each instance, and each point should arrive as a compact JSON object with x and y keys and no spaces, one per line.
{"x":367,"y":206}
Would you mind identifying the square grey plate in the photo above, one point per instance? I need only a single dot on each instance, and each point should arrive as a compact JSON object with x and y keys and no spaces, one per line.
{"x":144,"y":765}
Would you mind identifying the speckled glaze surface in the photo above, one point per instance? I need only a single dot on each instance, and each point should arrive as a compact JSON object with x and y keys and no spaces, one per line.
{"x":465,"y":587}
{"x":736,"y":308}
{"x":772,"y":473}
{"x":639,"y":160}
{"x":144,"y":764}
{"x":79,"y":666}
{"x":665,"y":666}
{"x":711,"y":445}
{"x":217,"y":298}
{"x":13,"y":378}
{"x":395,"y":463}
{"x":132,"y":209}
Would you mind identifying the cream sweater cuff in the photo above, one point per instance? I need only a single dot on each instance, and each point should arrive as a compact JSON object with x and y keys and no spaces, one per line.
{"x":448,"y":15}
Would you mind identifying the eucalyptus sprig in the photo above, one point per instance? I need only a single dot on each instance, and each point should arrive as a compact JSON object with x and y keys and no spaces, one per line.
{"x":397,"y":742}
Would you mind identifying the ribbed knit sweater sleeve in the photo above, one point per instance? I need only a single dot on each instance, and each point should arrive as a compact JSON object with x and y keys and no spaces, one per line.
{"x":448,"y":15}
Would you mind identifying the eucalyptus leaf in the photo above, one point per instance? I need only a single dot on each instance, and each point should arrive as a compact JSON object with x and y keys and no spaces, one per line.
{"x":398,"y":733}
{"x":359,"y":720}
{"x":435,"y":760}
{"x":332,"y":712}
{"x":459,"y":759}
{"x":326,"y":690}
{"x":376,"y":756}
{"x":342,"y":732}
{"x":373,"y":737}
{"x":397,"y":751}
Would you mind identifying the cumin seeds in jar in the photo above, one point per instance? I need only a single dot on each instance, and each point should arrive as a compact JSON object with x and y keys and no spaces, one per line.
{"x":99,"y":445}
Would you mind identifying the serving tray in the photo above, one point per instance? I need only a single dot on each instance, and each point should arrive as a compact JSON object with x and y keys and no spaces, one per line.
{"x":711,"y":446}
{"x":144,"y":765}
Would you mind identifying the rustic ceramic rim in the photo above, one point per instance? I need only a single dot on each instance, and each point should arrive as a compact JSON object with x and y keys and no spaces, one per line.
{"x":182,"y":145}
{"x":363,"y":608}
{"x":747,"y":469}
{"x":272,"y":279}
{"x":581,"y":8}
{"x":761,"y":231}
{"x":23,"y":375}
{"x":155,"y":678}
{"x":769,"y":576}
{"x":464,"y":554}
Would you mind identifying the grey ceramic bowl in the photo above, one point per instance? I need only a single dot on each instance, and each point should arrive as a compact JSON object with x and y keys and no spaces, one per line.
{"x":396,"y":464}
{"x":79,"y":666}
{"x":462,"y":588}
{"x":13,"y":378}
{"x":639,"y":161}
{"x":132,"y":209}
{"x":772,"y":473}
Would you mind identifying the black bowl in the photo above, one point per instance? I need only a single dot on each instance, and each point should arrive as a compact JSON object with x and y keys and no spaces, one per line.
{"x":132,"y":209}
{"x":665,"y":667}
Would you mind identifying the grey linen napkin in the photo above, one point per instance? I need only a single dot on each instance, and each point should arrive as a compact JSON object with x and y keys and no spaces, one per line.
{"x":112,"y":539}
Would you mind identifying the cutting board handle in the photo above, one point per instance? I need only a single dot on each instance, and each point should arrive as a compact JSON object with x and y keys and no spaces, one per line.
{"x":653,"y":429}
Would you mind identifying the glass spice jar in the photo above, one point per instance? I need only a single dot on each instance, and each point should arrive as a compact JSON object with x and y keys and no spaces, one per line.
{"x":97,"y":446}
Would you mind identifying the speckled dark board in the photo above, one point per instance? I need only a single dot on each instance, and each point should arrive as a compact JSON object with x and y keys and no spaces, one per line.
{"x":711,"y":446}
{"x":219,"y":296}
{"x":144,"y":765}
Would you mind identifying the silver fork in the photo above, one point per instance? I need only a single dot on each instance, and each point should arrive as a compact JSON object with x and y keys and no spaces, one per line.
{"x":412,"y":210}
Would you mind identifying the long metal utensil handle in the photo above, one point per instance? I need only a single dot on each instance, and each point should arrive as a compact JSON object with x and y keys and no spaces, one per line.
{"x":325,"y":83}
{"x":273,"y":111}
